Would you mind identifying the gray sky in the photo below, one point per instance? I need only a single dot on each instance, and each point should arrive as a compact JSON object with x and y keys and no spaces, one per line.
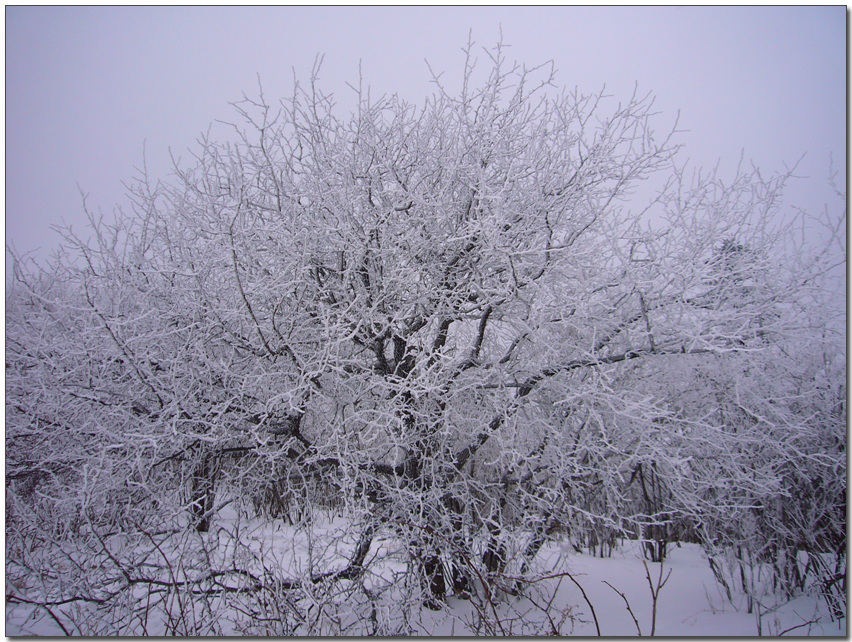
{"x":86,"y":87}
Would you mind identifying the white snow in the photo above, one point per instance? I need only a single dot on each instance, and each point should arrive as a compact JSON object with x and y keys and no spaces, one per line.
{"x":690,"y":603}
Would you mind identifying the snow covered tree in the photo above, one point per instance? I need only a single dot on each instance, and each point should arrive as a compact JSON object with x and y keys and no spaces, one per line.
{"x":448,"y":320}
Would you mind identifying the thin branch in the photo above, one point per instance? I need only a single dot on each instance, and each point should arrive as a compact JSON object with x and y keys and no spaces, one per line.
{"x":629,"y":610}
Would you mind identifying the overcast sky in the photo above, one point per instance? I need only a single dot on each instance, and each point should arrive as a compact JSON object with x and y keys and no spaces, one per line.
{"x":87,"y":87}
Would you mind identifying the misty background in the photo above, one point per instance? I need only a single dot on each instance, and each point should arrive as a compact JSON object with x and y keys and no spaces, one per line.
{"x":89,"y":88}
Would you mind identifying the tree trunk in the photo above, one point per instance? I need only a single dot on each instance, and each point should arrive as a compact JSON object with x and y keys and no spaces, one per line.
{"x":433,"y":573}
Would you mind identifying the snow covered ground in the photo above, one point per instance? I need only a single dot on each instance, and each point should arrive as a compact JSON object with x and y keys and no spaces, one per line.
{"x":690,"y":603}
